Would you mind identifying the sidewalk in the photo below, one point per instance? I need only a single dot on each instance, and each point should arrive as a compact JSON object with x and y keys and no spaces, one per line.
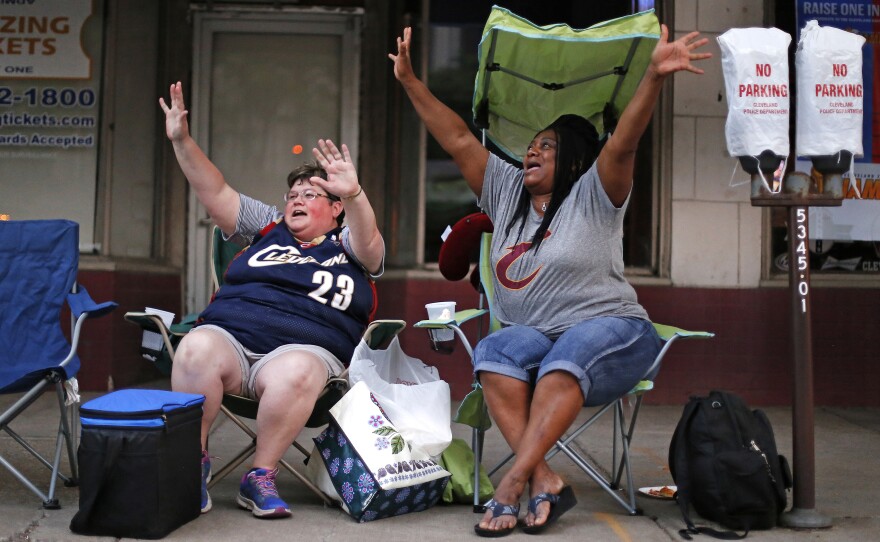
{"x":847,"y":489}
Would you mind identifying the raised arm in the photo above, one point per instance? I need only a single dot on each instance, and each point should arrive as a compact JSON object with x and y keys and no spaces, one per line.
{"x":220,"y":200}
{"x":617,"y":159}
{"x":342,"y":181}
{"x":443,"y":123}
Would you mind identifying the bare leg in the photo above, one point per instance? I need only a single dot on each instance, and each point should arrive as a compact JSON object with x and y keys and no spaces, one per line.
{"x":206,"y":363}
{"x":557,"y":401}
{"x":508,"y":400}
{"x":530,"y":425}
{"x":287,"y":387}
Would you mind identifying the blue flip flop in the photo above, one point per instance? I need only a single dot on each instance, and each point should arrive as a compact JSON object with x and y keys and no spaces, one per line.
{"x":498,"y":510}
{"x":559,"y":504}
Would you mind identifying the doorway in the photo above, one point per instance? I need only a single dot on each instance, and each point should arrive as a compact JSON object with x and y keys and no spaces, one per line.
{"x":263,"y":84}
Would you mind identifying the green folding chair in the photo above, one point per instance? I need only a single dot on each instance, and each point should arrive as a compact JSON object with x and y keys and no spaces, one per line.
{"x":473,"y":411}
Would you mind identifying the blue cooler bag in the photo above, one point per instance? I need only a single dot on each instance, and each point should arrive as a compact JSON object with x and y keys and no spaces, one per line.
{"x":139,"y":459}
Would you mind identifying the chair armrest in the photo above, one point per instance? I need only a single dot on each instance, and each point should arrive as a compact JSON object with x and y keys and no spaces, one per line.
{"x":668,"y":332}
{"x":153,"y":322}
{"x":81,"y":302}
{"x":642,"y":387}
{"x":458,"y":319}
{"x":380,"y":332}
{"x":147,"y":321}
{"x":185,"y":325}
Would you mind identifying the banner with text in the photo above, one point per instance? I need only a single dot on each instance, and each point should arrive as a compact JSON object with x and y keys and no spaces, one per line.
{"x":857,"y":220}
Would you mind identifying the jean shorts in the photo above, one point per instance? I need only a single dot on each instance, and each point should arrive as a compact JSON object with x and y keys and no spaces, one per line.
{"x":607,"y":355}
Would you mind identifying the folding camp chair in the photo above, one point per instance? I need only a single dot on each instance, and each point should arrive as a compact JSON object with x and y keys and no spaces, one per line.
{"x":236,"y":407}
{"x":38,"y":266}
{"x":521,"y":63}
{"x":473,"y":412}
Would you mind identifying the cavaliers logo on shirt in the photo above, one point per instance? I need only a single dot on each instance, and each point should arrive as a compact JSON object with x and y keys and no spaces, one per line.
{"x":503,"y":266}
{"x":277,"y":255}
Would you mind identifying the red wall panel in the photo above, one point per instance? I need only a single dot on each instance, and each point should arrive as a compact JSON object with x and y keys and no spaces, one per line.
{"x":751,"y":354}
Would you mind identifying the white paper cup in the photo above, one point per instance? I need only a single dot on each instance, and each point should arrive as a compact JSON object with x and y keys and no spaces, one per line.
{"x":151,"y":340}
{"x":442,"y":310}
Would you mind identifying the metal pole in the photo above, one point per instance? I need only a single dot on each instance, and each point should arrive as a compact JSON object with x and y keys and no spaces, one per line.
{"x":803,"y":513}
{"x":797,"y":195}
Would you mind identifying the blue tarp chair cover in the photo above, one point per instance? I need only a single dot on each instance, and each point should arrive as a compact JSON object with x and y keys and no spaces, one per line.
{"x":38,"y":266}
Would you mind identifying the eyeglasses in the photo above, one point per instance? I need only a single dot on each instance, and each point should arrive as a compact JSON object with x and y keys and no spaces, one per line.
{"x":308,"y":195}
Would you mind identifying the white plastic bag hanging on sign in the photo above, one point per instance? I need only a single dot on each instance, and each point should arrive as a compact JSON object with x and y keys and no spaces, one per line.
{"x":830,"y":91}
{"x":755,"y":64}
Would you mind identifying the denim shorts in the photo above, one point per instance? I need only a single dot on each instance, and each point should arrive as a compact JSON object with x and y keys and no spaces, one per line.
{"x":607,"y":355}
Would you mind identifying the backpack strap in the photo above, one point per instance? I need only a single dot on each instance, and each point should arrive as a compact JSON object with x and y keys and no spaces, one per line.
{"x":721,"y":535}
{"x":679,"y":463}
{"x":741,"y":417}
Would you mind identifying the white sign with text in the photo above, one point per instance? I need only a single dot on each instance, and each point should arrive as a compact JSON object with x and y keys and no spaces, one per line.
{"x":41,"y":39}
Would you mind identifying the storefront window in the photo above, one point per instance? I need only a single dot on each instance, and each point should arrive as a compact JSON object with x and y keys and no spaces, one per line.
{"x":452,"y":61}
{"x":844,"y":240}
{"x":50,"y":70}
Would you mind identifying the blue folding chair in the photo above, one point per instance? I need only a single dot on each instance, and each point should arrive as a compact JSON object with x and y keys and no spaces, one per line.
{"x":38,"y":266}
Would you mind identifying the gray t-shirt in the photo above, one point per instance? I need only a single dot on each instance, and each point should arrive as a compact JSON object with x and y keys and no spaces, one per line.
{"x":254,"y":215}
{"x":577,"y":272}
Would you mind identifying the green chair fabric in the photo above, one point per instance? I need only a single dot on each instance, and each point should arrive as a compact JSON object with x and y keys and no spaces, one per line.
{"x":222,"y":254}
{"x":472,"y":410}
{"x":556,"y":69}
{"x":458,"y":459}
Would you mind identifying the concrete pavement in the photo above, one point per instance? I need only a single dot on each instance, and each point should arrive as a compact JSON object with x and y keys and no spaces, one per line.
{"x":847,"y":489}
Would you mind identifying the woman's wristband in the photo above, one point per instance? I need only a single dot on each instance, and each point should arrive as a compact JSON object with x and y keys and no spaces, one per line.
{"x":349,"y":198}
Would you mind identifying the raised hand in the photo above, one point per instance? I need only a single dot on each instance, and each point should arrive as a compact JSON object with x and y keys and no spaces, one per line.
{"x":176,"y":125}
{"x":342,"y":179}
{"x":402,"y":63}
{"x":670,"y":57}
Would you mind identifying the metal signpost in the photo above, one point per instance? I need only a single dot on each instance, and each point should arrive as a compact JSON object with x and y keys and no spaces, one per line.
{"x":798,"y":193}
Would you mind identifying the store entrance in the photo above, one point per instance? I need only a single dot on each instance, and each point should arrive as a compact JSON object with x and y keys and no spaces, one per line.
{"x":263,"y":83}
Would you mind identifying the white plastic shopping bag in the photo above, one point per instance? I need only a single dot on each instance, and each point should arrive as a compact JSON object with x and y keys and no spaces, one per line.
{"x":830,"y":91}
{"x":755,"y":65}
{"x":416,"y":400}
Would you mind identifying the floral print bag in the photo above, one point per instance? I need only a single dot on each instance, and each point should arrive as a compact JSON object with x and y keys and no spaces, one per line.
{"x":375,"y":471}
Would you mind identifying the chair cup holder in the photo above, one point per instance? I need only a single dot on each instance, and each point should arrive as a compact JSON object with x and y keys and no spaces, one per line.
{"x":441,"y":346}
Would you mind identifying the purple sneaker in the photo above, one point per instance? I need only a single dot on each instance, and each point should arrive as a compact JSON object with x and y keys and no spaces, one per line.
{"x":206,"y":477}
{"x":258,"y":494}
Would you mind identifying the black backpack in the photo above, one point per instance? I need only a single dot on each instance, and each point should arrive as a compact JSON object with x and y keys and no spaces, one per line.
{"x":724,"y":461}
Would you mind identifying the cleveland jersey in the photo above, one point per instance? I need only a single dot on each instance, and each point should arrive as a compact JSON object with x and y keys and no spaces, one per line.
{"x":279,"y":291}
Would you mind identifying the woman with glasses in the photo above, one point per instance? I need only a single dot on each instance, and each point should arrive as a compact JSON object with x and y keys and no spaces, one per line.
{"x":294,"y":304}
{"x":573,"y":332}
